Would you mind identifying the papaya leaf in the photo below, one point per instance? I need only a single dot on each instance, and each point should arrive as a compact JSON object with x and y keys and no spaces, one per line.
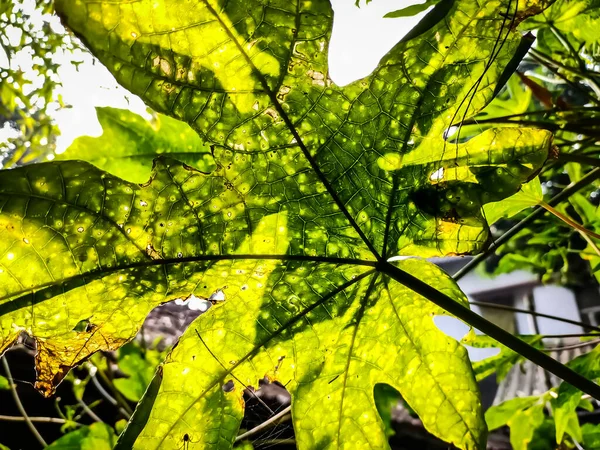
{"x":412,"y":10}
{"x":130,"y":143}
{"x":315,"y":187}
{"x":251,"y":78}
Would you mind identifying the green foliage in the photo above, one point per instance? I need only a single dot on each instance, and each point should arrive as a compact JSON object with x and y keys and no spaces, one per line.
{"x":4,"y":383}
{"x":25,"y":102}
{"x":314,"y":187}
{"x":591,"y":436}
{"x":574,"y":21}
{"x":501,"y":363}
{"x":139,"y":365}
{"x":129,"y":144}
{"x":412,"y":10}
{"x":386,"y":398}
{"x":530,"y":428}
{"x":98,"y":436}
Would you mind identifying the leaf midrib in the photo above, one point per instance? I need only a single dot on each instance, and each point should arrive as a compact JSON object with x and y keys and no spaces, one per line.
{"x":169,"y":261}
{"x":282,"y":113}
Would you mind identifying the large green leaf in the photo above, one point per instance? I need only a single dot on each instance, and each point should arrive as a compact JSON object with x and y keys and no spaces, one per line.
{"x":315,"y":187}
{"x":252,"y":79}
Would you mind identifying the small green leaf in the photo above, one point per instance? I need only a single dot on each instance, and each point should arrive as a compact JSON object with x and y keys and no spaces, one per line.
{"x":591,"y":436}
{"x":568,"y":399}
{"x":129,"y":144}
{"x":529,"y":195}
{"x":501,"y":363}
{"x":501,"y":414}
{"x":412,"y":10}
{"x":4,"y":383}
{"x":139,"y":366}
{"x":98,"y":436}
{"x":524,"y":424}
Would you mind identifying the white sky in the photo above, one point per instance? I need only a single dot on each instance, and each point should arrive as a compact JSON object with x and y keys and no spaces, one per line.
{"x":361,"y":37}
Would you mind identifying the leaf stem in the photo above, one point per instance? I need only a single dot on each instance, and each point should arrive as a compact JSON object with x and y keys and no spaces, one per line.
{"x":573,"y":335}
{"x":534,"y":313}
{"x":88,"y":411}
{"x":572,"y":347}
{"x":499,"y":334}
{"x":568,"y":220}
{"x":20,"y":407}
{"x":117,"y":400}
{"x":538,"y":212}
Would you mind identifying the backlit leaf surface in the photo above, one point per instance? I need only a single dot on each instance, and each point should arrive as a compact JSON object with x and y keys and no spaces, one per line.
{"x":314,"y":187}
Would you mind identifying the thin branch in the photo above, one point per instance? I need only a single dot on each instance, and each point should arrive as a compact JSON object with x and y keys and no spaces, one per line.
{"x":266,"y":424}
{"x":534,"y":313}
{"x":537,"y":213}
{"x":584,"y":75}
{"x":590,"y":243}
{"x":38,"y":419}
{"x":582,"y":109}
{"x":495,"y":332}
{"x":568,"y":220}
{"x":572,"y":335}
{"x":573,"y":346}
{"x":20,"y":407}
{"x":89,"y":411}
{"x":112,"y":400}
{"x":582,"y":159}
{"x":556,"y":72}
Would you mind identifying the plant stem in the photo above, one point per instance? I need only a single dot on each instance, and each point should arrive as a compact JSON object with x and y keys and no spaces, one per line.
{"x":504,"y":337}
{"x":265,"y":424}
{"x":20,"y":407}
{"x":568,"y":220}
{"x":534,"y":313}
{"x":582,"y":159}
{"x":104,"y":393}
{"x":88,"y":410}
{"x":538,"y":212}
{"x":572,"y":347}
{"x":582,"y":74}
{"x":573,"y":335}
{"x":38,"y":419}
{"x":118,"y":399}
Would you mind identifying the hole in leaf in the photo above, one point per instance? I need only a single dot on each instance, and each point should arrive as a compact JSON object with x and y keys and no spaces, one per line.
{"x":229,"y":386}
{"x":84,"y":326}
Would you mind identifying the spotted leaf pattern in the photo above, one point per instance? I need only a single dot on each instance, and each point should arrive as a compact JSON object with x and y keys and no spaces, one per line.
{"x":314,"y":188}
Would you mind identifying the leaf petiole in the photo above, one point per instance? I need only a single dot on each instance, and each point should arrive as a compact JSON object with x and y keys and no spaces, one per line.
{"x":465,"y":314}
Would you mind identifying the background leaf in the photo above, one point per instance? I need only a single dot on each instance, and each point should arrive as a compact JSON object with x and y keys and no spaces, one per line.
{"x":129,"y":144}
